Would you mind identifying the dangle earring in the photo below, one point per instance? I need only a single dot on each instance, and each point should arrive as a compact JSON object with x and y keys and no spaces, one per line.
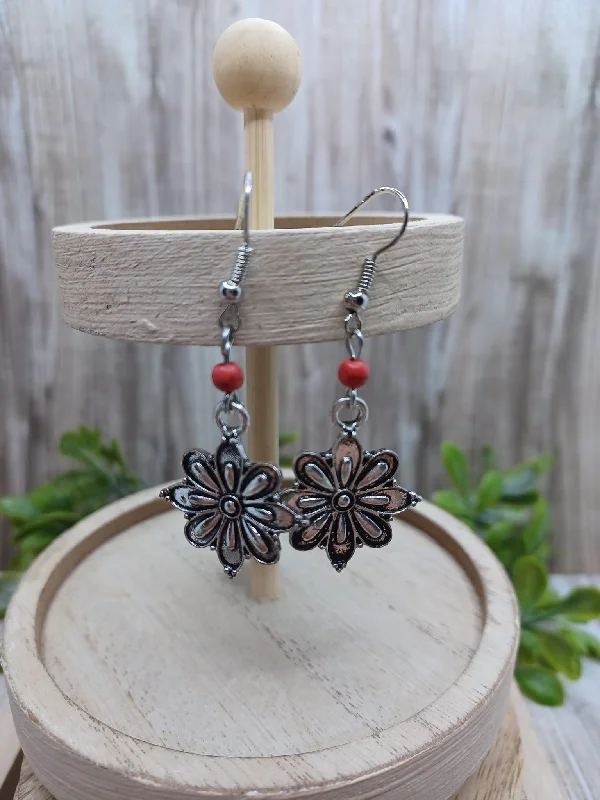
{"x":232,"y":504}
{"x":347,"y":496}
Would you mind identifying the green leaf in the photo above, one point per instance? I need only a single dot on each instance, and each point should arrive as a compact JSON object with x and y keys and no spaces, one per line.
{"x":523,"y":479}
{"x":524,"y":501}
{"x":530,"y":579}
{"x":53,"y":523}
{"x":580,"y":605}
{"x":537,"y":527}
{"x":17,"y":508}
{"x":80,"y":443}
{"x":529,"y":640}
{"x":287,"y":438}
{"x":286,"y":461}
{"x":488,"y":458}
{"x":561,"y":652}
{"x":549,"y":598}
{"x":455,"y":464}
{"x":8,"y":584}
{"x":489,"y":490}
{"x":540,"y":685}
{"x":589,"y":644}
{"x":450,"y":502}
{"x":498,"y":535}
{"x":501,"y":513}
{"x":112,"y":453}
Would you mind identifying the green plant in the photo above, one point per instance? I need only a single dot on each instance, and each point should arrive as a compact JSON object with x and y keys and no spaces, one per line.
{"x":38,"y":517}
{"x":286,"y":439}
{"x":508,"y":511}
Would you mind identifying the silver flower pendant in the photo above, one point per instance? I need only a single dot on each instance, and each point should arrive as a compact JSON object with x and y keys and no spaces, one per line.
{"x":347,"y":497}
{"x":232,"y":505}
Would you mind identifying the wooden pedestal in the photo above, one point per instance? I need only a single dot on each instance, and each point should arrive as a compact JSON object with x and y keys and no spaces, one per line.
{"x":137,"y":670}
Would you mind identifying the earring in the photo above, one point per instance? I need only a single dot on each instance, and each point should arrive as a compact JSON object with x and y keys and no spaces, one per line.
{"x":348,"y":495}
{"x":231,"y":504}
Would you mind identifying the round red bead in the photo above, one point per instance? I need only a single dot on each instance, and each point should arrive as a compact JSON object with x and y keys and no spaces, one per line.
{"x":228,"y":377}
{"x":353,"y":372}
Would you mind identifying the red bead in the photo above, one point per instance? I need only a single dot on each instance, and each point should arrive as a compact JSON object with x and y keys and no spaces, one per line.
{"x":353,"y":372}
{"x":228,"y":377}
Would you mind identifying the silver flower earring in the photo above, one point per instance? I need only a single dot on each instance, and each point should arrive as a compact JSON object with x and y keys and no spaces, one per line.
{"x":231,"y":504}
{"x":348,"y":495}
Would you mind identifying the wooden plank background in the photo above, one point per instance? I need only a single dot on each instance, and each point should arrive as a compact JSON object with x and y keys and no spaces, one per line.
{"x":487,"y":110}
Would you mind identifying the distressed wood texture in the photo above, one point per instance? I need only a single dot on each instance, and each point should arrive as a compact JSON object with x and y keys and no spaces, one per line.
{"x":151,"y":284}
{"x":560,"y":745}
{"x":501,"y":775}
{"x":392,"y":683}
{"x":485,"y":110}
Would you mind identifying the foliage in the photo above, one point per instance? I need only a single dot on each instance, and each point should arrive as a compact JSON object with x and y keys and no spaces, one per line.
{"x":286,"y":439}
{"x":101,"y":476}
{"x":37,"y":518}
{"x":508,"y":511}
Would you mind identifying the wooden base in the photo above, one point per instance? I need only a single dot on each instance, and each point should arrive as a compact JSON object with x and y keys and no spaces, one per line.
{"x":136,"y":669}
{"x":514,"y":769}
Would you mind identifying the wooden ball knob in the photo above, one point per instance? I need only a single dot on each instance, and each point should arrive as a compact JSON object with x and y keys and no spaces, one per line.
{"x":257,"y":64}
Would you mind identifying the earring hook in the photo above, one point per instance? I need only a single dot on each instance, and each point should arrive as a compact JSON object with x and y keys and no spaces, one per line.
{"x":230,"y":291}
{"x":382,"y":190}
{"x":357,"y":299}
{"x":243,"y":216}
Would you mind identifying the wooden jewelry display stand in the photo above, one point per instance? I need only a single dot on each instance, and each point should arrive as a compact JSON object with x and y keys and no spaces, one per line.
{"x":135,"y":668}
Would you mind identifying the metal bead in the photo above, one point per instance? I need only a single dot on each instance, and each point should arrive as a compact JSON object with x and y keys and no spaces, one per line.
{"x":356,"y":300}
{"x":230,"y":292}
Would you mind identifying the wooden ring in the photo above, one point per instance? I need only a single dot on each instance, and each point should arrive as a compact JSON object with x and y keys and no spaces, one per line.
{"x":137,"y":670}
{"x":157,"y":280}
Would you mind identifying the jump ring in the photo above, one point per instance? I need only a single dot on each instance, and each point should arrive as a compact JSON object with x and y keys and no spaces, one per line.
{"x":362,"y":413}
{"x":229,"y":406}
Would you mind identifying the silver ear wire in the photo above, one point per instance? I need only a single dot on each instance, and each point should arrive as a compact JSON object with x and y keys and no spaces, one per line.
{"x":231,"y":291}
{"x":358,"y":299}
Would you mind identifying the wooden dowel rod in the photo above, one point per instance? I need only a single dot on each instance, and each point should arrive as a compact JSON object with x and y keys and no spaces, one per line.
{"x":257,"y":68}
{"x":261,"y":362}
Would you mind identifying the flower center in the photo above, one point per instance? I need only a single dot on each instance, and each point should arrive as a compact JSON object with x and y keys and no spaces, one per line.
{"x":230,"y":505}
{"x":343,"y":500}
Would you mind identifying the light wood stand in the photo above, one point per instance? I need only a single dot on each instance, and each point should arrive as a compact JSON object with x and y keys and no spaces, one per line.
{"x":135,"y":671}
{"x":257,"y":69}
{"x":135,"y":668}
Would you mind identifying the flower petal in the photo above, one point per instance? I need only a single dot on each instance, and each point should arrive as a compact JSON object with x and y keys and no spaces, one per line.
{"x":304,"y":501}
{"x":347,"y":457}
{"x":260,"y":480}
{"x":202,"y":530}
{"x":341,"y":542}
{"x":312,"y":470}
{"x":230,"y":458}
{"x":262,"y":545}
{"x":272,"y":515}
{"x":229,"y":547}
{"x":198,"y":465}
{"x":372,"y":529}
{"x":188,"y":498}
{"x":378,"y":468}
{"x":391,"y":501}
{"x":305,"y":537}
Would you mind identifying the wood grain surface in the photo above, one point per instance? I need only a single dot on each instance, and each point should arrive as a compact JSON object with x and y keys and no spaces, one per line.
{"x":559,"y":745}
{"x":156,"y":282}
{"x":134,"y":667}
{"x":516,"y":768}
{"x":9,"y":744}
{"x":485,"y":110}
